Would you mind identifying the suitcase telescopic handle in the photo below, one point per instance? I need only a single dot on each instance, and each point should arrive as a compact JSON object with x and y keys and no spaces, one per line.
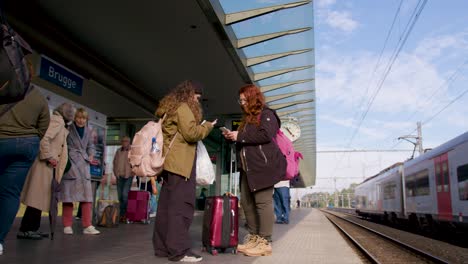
{"x":233,"y":222}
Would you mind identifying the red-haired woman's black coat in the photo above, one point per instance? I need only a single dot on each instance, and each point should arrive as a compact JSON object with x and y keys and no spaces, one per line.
{"x":263,"y":162}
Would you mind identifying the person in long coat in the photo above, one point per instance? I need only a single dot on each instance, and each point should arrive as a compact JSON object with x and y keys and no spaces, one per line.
{"x":53,"y":153}
{"x":76,"y":183}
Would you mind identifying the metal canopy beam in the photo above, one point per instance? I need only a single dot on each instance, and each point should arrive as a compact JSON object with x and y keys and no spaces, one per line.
{"x":244,"y":42}
{"x":273,"y":98}
{"x":286,"y":113}
{"x":268,"y":88}
{"x":284,"y":105}
{"x":270,"y":57}
{"x":305,"y":116}
{"x":248,"y":14}
{"x":306,"y":140}
{"x":269,"y":74}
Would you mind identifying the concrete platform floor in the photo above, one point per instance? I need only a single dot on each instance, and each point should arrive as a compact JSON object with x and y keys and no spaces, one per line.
{"x":309,"y":238}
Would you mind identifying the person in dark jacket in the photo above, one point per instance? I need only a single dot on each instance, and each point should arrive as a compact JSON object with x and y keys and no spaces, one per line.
{"x":263,"y":165}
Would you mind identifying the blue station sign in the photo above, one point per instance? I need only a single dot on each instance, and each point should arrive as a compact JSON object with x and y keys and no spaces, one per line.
{"x":61,"y":76}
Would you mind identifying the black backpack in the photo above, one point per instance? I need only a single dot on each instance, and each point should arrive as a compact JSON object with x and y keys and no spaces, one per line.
{"x":15,"y":76}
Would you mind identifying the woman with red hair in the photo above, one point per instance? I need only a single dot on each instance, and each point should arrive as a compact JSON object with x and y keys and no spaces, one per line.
{"x":263,"y":165}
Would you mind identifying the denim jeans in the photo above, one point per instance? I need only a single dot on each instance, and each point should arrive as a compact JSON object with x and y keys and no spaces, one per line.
{"x":123,"y":187}
{"x":16,"y":157}
{"x":282,"y":204}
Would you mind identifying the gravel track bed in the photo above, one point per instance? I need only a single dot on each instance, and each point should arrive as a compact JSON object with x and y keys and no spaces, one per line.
{"x":443,"y":250}
{"x":383,"y":250}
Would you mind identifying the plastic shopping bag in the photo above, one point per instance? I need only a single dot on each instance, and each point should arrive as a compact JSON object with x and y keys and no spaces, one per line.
{"x":205,"y":170}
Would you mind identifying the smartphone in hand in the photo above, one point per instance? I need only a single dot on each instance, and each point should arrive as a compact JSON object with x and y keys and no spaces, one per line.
{"x":225,"y":130}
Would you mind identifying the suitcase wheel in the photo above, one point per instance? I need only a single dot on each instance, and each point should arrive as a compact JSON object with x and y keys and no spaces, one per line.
{"x":146,"y":222}
{"x":234,"y":251}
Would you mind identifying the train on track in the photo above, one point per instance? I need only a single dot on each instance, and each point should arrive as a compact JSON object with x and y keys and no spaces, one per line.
{"x":428,"y":191}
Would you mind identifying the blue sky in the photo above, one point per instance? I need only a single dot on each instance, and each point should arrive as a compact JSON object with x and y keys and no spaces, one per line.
{"x":348,"y":37}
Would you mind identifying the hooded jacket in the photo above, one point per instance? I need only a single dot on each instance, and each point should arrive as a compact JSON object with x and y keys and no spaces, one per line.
{"x":179,"y":159}
{"x":261,"y":158}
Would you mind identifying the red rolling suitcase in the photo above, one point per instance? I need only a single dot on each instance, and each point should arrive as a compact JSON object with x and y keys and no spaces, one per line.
{"x":221,"y":224}
{"x":138,"y":206}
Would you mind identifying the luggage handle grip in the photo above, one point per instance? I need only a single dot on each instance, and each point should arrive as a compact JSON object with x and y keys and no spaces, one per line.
{"x":233,"y":218}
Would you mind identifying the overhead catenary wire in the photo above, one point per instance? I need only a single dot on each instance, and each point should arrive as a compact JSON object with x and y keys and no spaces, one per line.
{"x":377,"y":64}
{"x":416,"y":14}
{"x":406,"y":33}
{"x":428,"y":120}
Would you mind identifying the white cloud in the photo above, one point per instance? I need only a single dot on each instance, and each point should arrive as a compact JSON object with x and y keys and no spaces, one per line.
{"x":344,"y":80}
{"x":341,"y":20}
{"x":267,"y":1}
{"x":432,"y":47}
{"x":324,"y":3}
{"x":349,"y":123}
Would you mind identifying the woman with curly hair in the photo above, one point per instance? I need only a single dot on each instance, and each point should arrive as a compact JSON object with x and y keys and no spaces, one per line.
{"x":263,"y":165}
{"x":182,"y":130}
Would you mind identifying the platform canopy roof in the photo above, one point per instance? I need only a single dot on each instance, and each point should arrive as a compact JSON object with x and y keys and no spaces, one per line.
{"x":140,"y":49}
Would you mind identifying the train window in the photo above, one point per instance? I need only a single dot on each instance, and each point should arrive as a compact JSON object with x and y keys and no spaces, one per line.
{"x":462,"y":175}
{"x":446,"y":176}
{"x":438,"y":177}
{"x":417,"y":184}
{"x":389,"y":191}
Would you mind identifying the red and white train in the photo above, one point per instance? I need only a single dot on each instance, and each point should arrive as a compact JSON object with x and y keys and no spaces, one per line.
{"x":431,"y":189}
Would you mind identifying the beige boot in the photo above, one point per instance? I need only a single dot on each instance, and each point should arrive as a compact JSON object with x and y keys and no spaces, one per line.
{"x":263,"y":248}
{"x":250,"y":241}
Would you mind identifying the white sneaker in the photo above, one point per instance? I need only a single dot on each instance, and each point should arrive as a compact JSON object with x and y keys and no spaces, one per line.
{"x":68,"y":230}
{"x":1,"y":249}
{"x":91,"y":230}
{"x":191,"y":257}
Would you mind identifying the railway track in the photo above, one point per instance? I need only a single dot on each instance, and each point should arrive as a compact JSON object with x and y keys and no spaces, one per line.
{"x":378,"y":247}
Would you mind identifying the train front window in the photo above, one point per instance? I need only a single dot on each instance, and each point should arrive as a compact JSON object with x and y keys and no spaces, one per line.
{"x":462,"y":175}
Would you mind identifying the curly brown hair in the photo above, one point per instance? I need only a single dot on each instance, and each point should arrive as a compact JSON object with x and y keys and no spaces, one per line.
{"x":254,"y":105}
{"x":182,"y":93}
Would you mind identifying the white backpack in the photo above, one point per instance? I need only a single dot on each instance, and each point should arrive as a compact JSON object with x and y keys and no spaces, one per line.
{"x":146,"y":152}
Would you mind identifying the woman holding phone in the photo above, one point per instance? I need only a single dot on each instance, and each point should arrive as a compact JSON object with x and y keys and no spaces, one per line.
{"x":182,"y":130}
{"x":263,"y":165}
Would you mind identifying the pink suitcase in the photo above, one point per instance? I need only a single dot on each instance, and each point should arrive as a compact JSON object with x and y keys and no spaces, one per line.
{"x":221,"y":224}
{"x":138,"y":206}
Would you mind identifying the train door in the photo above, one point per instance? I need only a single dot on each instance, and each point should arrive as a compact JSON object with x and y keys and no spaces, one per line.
{"x":442,"y":180}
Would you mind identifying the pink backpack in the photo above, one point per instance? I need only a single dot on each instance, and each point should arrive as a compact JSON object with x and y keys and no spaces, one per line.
{"x":292,"y":157}
{"x":146,"y":152}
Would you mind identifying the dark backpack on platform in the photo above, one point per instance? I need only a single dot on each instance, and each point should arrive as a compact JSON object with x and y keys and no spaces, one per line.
{"x":15,"y":76}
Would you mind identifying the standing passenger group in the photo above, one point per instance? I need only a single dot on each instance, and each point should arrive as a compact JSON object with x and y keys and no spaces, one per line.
{"x":68,"y":150}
